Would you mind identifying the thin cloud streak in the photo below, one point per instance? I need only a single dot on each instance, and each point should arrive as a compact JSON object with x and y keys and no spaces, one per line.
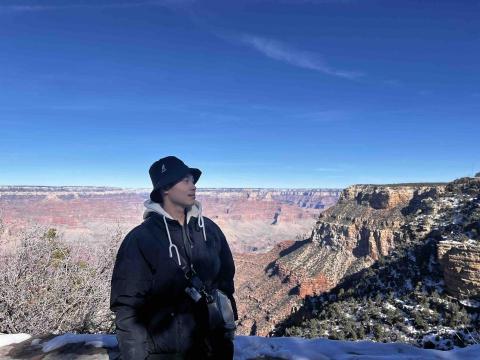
{"x":282,"y":52}
{"x":120,"y":5}
{"x":327,"y":169}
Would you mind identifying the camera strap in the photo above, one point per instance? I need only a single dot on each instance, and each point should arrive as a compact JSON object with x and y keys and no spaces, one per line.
{"x":220,"y":313}
{"x":197,"y":286}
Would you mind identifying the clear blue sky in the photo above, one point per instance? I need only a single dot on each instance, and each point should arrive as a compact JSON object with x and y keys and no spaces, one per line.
{"x":254,"y":93}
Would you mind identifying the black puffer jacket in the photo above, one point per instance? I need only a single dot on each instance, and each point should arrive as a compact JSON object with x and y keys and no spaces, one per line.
{"x":153,"y":312}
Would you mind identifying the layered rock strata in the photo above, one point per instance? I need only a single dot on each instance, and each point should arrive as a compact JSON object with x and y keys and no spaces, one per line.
{"x":252,"y":219}
{"x":366,"y":224}
{"x":461,"y":267}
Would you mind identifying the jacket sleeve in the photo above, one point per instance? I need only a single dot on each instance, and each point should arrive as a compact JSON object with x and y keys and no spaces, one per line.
{"x":131,"y":281}
{"x":227,"y":271}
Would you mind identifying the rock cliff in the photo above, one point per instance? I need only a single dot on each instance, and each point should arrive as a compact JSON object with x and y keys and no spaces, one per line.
{"x":425,"y":291}
{"x":458,"y":250}
{"x":368,"y":224}
{"x":461,"y":267}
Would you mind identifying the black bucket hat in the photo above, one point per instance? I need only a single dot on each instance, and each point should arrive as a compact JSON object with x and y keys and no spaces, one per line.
{"x":169,"y":170}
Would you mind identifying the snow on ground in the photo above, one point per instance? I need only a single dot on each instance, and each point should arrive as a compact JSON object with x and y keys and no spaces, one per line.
{"x":288,"y":348}
{"x":470,"y":303}
{"x":247,"y":347}
{"x":7,"y":339}
{"x":96,"y":340}
{"x":389,"y":306}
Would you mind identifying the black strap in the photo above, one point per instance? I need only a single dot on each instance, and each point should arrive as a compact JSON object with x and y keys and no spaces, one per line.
{"x":188,"y":270}
{"x":187,"y":241}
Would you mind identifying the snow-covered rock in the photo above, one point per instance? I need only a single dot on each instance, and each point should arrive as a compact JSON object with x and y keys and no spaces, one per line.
{"x":99,"y":347}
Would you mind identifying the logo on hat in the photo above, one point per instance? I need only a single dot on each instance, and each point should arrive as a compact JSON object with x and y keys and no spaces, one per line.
{"x":163,"y":168}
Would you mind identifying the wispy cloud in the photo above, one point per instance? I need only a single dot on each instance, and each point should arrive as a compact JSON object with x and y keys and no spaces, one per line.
{"x":328,"y":169}
{"x":314,"y":2}
{"x":280,"y":51}
{"x":72,"y":5}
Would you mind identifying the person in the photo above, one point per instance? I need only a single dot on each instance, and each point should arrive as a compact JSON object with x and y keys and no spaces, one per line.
{"x":176,"y":250}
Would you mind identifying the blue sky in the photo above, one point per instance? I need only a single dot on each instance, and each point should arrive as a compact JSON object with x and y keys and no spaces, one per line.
{"x":254,"y":93}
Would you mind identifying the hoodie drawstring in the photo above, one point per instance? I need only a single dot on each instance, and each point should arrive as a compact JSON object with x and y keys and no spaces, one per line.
{"x":152,"y":206}
{"x":172,"y":245}
{"x":202,"y":225}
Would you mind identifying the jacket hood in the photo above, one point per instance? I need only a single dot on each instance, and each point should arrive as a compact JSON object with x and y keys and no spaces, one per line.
{"x":150,"y":206}
{"x":194,"y":211}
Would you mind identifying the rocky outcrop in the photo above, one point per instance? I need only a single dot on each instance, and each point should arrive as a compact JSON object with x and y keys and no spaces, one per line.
{"x":380,"y":197}
{"x":458,"y":227}
{"x":366,"y":224}
{"x":369,"y":223}
{"x":425,"y":291}
{"x":265,"y":294}
{"x":460,"y":262}
{"x":314,"y":286}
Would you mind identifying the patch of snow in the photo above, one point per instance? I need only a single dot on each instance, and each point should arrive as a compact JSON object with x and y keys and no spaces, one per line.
{"x":389,"y":306}
{"x":470,"y":303}
{"x":411,"y":329}
{"x":248,"y":347}
{"x":458,"y":219}
{"x":97,"y":340}
{"x":439,"y":341}
{"x":7,"y":339}
{"x":290,"y":348}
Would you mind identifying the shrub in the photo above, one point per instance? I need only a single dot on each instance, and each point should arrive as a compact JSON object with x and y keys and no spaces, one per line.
{"x":49,"y":286}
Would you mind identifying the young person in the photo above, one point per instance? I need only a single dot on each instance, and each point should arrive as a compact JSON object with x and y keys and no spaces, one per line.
{"x":167,"y":273}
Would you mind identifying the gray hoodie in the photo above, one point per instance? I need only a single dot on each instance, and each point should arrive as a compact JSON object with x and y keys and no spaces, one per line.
{"x":194,"y":211}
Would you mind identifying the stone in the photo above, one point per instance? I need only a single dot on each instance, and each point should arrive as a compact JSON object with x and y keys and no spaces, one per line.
{"x":460,"y":264}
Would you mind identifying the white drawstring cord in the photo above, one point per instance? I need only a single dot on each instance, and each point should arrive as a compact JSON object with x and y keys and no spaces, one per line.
{"x":172,"y":245}
{"x":202,"y":225}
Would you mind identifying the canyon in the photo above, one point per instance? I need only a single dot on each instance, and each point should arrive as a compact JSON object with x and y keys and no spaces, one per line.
{"x":294,"y":245}
{"x":367,"y":225}
{"x":252,"y":219}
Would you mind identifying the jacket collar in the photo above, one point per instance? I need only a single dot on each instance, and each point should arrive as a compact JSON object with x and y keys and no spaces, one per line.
{"x":150,"y":206}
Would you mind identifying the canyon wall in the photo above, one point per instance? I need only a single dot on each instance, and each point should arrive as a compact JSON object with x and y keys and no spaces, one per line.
{"x":368,"y":223}
{"x":252,"y":219}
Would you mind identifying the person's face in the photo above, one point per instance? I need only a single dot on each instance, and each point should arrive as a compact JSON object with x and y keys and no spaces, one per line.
{"x":183,"y":192}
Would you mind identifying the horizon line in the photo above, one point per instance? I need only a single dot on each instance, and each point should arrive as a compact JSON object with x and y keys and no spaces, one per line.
{"x":150,"y":189}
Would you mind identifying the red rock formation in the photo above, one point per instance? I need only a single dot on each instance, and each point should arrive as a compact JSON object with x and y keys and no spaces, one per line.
{"x":314,"y":286}
{"x":365,"y":224}
{"x":252,"y":219}
{"x":264,"y":295}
